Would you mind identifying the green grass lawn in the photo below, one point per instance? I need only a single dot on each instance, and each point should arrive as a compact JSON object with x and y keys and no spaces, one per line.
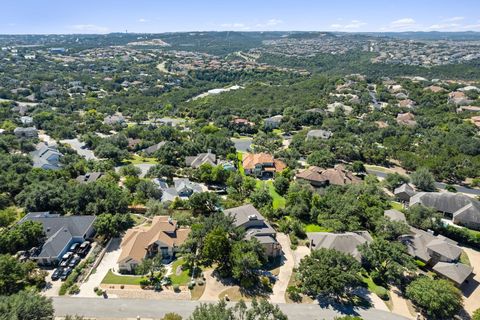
{"x":278,"y":200}
{"x":183,"y":278}
{"x":112,"y":278}
{"x":315,"y":228}
{"x":136,"y":159}
{"x":373,"y":287}
{"x":396,"y":205}
{"x":240,"y":163}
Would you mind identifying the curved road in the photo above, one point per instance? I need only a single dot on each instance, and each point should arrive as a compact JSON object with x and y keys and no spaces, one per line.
{"x":439,"y":185}
{"x":155,"y":309}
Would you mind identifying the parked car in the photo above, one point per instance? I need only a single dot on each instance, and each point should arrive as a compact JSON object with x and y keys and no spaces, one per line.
{"x":56,"y":274}
{"x":66,"y":272}
{"x":67,"y":256}
{"x":74,"y":261}
{"x":74,"y":247}
{"x":83,"y":248}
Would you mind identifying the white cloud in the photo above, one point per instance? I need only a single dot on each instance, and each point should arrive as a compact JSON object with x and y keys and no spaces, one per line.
{"x":89,"y":28}
{"x":444,"y":26}
{"x":352,"y":25}
{"x":142,"y":20}
{"x":471,"y":27}
{"x":243,"y":26}
{"x":233,"y":25}
{"x":454,"y":19}
{"x":403,"y":23}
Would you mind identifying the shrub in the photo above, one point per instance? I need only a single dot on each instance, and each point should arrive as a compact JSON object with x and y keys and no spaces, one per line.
{"x":99,"y":292}
{"x":144,"y":283}
{"x":176,"y":288}
{"x":122,"y":286}
{"x":382,"y":293}
{"x":265,"y":282}
{"x":75,"y":289}
{"x":200,"y":282}
{"x":191,"y":285}
{"x":294,"y":293}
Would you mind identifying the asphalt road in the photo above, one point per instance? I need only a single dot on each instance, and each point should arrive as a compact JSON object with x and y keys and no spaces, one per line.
{"x":439,"y":185}
{"x":131,"y":308}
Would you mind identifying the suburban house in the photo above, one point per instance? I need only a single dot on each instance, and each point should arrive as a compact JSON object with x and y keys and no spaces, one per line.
{"x":404,"y":192}
{"x":458,"y":98}
{"x":242,"y":122}
{"x":273,"y":122}
{"x":182,"y":188}
{"x":406,"y":119}
{"x":319,"y":177}
{"x":154,"y":148}
{"x":162,"y":237}
{"x":318,"y":134}
{"x":249,"y":219}
{"x":201,"y":158}
{"x":462,"y":209}
{"x":261,"y":165}
{"x":30,"y":132}
{"x":46,"y":157}
{"x":61,"y":232}
{"x":89,"y":177}
{"x":438,"y":252}
{"x":347,"y":242}
{"x":26,"y":120}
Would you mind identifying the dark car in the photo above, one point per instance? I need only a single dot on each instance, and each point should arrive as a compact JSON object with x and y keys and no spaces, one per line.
{"x":83,"y":248}
{"x":66,"y":272}
{"x":74,"y":247}
{"x":74,"y":261}
{"x":56,"y":274}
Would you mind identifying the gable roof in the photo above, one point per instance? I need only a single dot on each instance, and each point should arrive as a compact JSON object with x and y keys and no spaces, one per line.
{"x":163,"y":229}
{"x":243,"y":213}
{"x":347,"y":242}
{"x":154,"y":148}
{"x":457,"y":272}
{"x":89,"y":177}
{"x":41,"y":156}
{"x":260,"y":229}
{"x":319,"y":133}
{"x":405,"y":188}
{"x":468,"y":214}
{"x":201,"y":158}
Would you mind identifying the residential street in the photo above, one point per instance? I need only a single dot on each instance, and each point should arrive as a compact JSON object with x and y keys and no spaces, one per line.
{"x":280,"y":287}
{"x":471,"y":289}
{"x":131,"y":308}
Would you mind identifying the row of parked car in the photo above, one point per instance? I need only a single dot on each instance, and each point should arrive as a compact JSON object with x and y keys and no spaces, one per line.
{"x":70,"y":260}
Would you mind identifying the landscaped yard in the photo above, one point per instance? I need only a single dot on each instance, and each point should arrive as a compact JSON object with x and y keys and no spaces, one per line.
{"x":112,"y":278}
{"x":240,"y":163}
{"x":380,"y":291}
{"x":278,"y":200}
{"x":183,"y":278}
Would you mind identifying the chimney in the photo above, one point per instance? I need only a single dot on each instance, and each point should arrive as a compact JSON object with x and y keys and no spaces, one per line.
{"x":209,"y":150}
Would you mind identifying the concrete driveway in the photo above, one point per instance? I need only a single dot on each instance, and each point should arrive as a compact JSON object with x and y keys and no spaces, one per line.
{"x":288,"y":262}
{"x":52,"y":287}
{"x":108,"y":262}
{"x":471,"y":289}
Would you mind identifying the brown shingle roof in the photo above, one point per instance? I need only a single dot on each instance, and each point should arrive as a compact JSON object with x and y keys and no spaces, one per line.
{"x":337,"y":175}
{"x":136,"y":240}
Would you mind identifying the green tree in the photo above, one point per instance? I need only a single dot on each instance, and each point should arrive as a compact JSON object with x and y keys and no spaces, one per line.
{"x":26,"y":305}
{"x":281,"y":184}
{"x":439,"y":299}
{"x":386,"y":261}
{"x":246,"y":257}
{"x":423,"y":179}
{"x":328,"y":272}
{"x":394,"y":180}
{"x":112,"y":225}
{"x":476,"y":315}
{"x":423,"y":217}
{"x":21,"y":237}
{"x":261,"y":197}
{"x":204,"y":203}
{"x":16,"y":275}
{"x":216,"y":248}
{"x":130,"y":170}
{"x":321,"y":158}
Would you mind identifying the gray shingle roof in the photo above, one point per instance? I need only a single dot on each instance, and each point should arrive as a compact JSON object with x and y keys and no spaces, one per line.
{"x":242,"y":214}
{"x":201,"y":158}
{"x":154,"y":148}
{"x":319,"y":133}
{"x":59,"y":230}
{"x":406,"y":189}
{"x":457,"y":272}
{"x":395,"y":215}
{"x":468,"y":214}
{"x":347,"y":242}
{"x":441,"y":201}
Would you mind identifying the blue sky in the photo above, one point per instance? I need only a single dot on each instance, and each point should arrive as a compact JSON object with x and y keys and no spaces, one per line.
{"x":104,"y":16}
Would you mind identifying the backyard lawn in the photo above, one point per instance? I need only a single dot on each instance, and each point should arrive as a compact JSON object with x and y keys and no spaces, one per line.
{"x":278,"y":200}
{"x":112,"y":278}
{"x":396,"y":205}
